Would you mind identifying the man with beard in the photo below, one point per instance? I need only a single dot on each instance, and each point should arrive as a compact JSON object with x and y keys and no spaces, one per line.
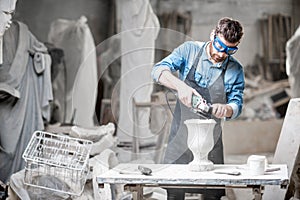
{"x":205,"y":69}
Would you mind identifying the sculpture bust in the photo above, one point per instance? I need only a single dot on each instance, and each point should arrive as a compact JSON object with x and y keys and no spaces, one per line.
{"x":7,"y":8}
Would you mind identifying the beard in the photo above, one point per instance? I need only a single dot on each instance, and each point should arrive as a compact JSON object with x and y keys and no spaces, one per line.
{"x":216,"y":57}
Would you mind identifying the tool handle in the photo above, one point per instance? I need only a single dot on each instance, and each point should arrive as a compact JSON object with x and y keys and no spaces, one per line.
{"x":272,"y":169}
{"x":234,"y":173}
{"x":145,"y":170}
{"x":210,"y":109}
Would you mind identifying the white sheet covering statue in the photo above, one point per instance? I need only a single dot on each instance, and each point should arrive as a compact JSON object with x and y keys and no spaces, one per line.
{"x":75,"y":39}
{"x":139,"y":30}
{"x":293,"y":63}
{"x":111,"y":66}
{"x":110,"y":71}
{"x":25,"y":92}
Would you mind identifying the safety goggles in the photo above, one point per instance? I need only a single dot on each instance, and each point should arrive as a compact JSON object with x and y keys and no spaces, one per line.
{"x":221,"y":47}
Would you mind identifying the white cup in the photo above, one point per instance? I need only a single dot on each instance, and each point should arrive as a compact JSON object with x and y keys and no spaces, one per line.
{"x":256,"y":164}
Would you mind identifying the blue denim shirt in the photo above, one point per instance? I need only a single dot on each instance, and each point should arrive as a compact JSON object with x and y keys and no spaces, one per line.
{"x":182,"y":59}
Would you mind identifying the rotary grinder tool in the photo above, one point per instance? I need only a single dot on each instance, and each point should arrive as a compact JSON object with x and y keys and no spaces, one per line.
{"x":200,"y":106}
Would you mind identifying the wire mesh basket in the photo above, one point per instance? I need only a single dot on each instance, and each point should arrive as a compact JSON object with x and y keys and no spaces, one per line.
{"x":58,"y":163}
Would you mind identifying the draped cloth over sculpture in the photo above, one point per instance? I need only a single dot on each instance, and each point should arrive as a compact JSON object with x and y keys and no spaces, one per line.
{"x":293,"y":63}
{"x":139,"y":28}
{"x":25,"y":92}
{"x":75,"y":39}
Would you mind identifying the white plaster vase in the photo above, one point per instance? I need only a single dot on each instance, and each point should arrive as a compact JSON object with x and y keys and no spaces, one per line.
{"x":200,"y":142}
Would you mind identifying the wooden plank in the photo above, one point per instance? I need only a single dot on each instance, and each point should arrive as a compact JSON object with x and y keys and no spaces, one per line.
{"x":135,"y":138}
{"x":281,"y":42}
{"x":269,"y":88}
{"x":262,"y":62}
{"x":270,"y":48}
{"x":270,"y":36}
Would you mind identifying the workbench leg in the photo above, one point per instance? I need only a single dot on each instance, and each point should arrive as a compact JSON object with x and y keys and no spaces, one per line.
{"x":135,"y":138}
{"x":137,"y":191}
{"x":257,"y":192}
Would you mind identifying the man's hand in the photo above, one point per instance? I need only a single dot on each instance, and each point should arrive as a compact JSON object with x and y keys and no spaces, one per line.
{"x":185,"y":94}
{"x":221,"y":110}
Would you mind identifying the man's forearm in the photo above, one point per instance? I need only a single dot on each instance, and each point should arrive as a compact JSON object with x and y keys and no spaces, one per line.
{"x":184,"y":92}
{"x":167,"y":79}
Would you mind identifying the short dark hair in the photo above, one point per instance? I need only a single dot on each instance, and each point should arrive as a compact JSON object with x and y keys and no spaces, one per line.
{"x":232,"y":30}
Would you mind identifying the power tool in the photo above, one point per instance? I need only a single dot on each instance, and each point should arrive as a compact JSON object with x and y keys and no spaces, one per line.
{"x":200,"y":106}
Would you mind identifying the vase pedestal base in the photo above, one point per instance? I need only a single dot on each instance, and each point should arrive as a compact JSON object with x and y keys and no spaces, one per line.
{"x":204,"y":165}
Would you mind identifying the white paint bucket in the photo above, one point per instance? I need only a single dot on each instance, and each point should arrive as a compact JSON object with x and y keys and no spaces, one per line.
{"x":257,"y":164}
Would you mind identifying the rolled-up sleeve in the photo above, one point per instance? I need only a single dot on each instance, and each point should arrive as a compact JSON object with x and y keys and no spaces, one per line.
{"x":173,"y":62}
{"x":156,"y":72}
{"x":235,"y":109}
{"x":235,"y":90}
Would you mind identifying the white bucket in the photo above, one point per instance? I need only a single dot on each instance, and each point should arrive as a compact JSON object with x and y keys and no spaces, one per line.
{"x":257,"y":164}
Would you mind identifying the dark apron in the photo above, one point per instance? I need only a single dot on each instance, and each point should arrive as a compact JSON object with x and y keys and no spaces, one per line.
{"x":177,"y":151}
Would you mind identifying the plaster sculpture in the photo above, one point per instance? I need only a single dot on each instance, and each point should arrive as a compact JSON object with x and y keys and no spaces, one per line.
{"x":200,"y":142}
{"x":7,"y":7}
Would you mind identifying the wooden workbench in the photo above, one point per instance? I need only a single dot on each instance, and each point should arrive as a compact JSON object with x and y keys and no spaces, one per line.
{"x":175,"y":176}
